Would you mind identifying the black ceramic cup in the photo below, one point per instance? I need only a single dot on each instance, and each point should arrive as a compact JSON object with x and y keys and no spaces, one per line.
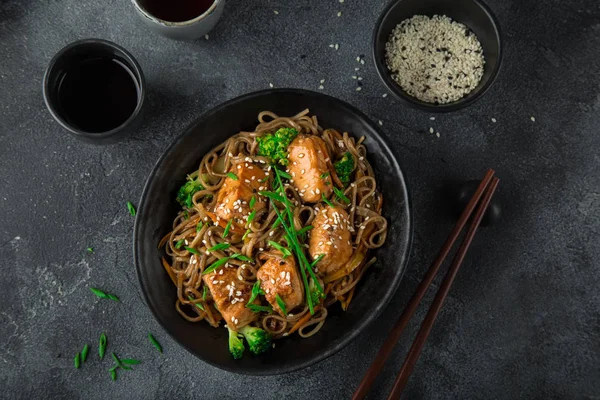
{"x":95,"y":89}
{"x":473,"y":13}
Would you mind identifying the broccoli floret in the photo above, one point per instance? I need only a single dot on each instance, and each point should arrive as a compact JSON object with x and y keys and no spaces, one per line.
{"x":344,"y":168}
{"x":258,"y":339}
{"x":186,"y":192}
{"x":236,"y":345}
{"x":274,"y":146}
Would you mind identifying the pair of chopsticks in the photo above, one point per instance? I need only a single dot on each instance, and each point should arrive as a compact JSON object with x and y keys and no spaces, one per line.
{"x":484,"y":192}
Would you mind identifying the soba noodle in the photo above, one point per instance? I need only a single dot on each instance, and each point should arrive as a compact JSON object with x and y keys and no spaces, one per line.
{"x":196,"y":228}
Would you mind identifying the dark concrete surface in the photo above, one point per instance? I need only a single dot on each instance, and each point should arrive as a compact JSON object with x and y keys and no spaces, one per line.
{"x":523,"y":318}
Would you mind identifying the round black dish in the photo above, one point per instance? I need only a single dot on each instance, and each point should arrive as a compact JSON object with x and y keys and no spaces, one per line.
{"x":158,"y":208}
{"x":80,"y":52}
{"x":473,"y":13}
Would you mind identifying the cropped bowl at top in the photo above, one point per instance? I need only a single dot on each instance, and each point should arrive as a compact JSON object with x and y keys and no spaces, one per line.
{"x":158,"y":208}
{"x":472,"y":13}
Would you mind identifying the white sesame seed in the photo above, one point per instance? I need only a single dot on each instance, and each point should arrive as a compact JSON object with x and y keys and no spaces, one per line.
{"x":358,"y":89}
{"x":321,"y":87}
{"x":360,"y":78}
{"x":430,"y":130}
{"x":437,"y":134}
{"x":270,"y":85}
{"x":384,"y":95}
{"x":332,"y":45}
{"x":206,"y":37}
{"x":380,"y":122}
{"x":358,"y":59}
{"x":432,"y":118}
{"x":301,"y":155}
{"x":337,"y":46}
{"x":322,"y":80}
{"x":362,"y":62}
{"x":357,"y":69}
{"x":494,"y":120}
{"x":339,"y":14}
{"x":275,"y":12}
{"x":532,"y":119}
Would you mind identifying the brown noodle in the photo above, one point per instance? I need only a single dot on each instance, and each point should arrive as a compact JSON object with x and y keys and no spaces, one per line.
{"x":368,"y":227}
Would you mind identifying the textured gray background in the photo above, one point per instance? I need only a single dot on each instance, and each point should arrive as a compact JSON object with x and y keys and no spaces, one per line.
{"x":522,"y":320}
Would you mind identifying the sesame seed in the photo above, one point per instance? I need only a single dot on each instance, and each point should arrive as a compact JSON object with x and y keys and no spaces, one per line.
{"x":337,"y":46}
{"x":301,"y":155}
{"x":360,"y":78}
{"x":206,"y":37}
{"x":437,"y":134}
{"x":357,"y":69}
{"x":321,"y":87}
{"x":339,"y":14}
{"x":384,"y":95}
{"x":270,"y":85}
{"x":432,"y":118}
{"x":532,"y":119}
{"x":357,"y":59}
{"x":430,"y":130}
{"x":275,"y":12}
{"x":494,"y":120}
{"x":358,"y":89}
{"x":380,"y":122}
{"x":354,"y":77}
{"x":322,"y":80}
{"x":331,"y":45}
{"x":362,"y":62}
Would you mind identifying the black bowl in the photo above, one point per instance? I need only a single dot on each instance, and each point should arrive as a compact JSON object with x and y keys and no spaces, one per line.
{"x":158,"y":208}
{"x":472,"y":13}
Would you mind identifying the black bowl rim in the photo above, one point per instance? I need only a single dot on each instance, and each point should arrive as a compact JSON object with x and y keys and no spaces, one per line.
{"x":368,"y":320}
{"x":411,"y":101}
{"x":99,"y":136}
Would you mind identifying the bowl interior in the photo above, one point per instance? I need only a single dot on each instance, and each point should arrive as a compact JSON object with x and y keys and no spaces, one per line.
{"x":158,"y":208}
{"x":472,"y":13}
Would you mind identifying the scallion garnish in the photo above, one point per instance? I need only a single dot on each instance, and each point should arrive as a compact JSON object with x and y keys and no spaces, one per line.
{"x":248,"y":231}
{"x":199,"y":226}
{"x":232,"y":176}
{"x":256,"y":290}
{"x":102,"y":346}
{"x":281,"y":304}
{"x":263,"y":180}
{"x":256,"y":308}
{"x":219,"y":263}
{"x":284,"y":174}
{"x":283,"y":250}
{"x":155,"y":342}
{"x":119,"y":363}
{"x":77,"y":360}
{"x":131,"y":208}
{"x":199,"y":305}
{"x":113,"y":374}
{"x":130,"y":361}
{"x":192,"y":250}
{"x":220,"y":246}
{"x":204,"y":292}
{"x":251,"y":216}
{"x":84,"y":352}
{"x":252,"y":201}
{"x":227,"y":228}
{"x":186,"y":215}
{"x":340,"y":195}
{"x":104,"y":295}
{"x":179,"y":244}
{"x":242,"y":257}
{"x":304,"y":230}
{"x":274,"y":196}
{"x":316,"y":260}
{"x":90,"y":249}
{"x":324,"y":175}
{"x":326,"y":200}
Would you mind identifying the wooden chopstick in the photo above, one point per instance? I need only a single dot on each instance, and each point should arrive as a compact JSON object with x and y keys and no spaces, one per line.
{"x":436,"y":306}
{"x":392,"y":339}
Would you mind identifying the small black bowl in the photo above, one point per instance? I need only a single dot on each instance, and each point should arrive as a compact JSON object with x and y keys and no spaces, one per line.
{"x":158,"y":208}
{"x":114,"y":70}
{"x":472,"y":13}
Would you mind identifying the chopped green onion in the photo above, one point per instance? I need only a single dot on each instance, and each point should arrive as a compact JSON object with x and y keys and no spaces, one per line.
{"x":102,"y":346}
{"x":77,"y":360}
{"x":204,"y":292}
{"x":316,"y":260}
{"x":131,"y":208}
{"x":276,"y":223}
{"x":256,"y":290}
{"x":113,"y":375}
{"x":232,"y":176}
{"x":248,"y":231}
{"x":326,"y":200}
{"x":251,"y":216}
{"x":90,"y":249}
{"x":324,"y":175}
{"x":186,"y":215}
{"x":199,"y":305}
{"x":304,"y":230}
{"x":118,"y":361}
{"x":192,"y":250}
{"x":242,"y":257}
{"x":219,"y":263}
{"x":104,"y":295}
{"x":263,"y":180}
{"x":252,"y":201}
{"x":155,"y":342}
{"x":256,"y":308}
{"x":274,"y":196}
{"x":227,"y":228}
{"x":286,"y":252}
{"x":340,"y":194}
{"x":130,"y":361}
{"x":284,"y":174}
{"x":199,"y":226}
{"x":179,"y":244}
{"x":220,"y":246}
{"x":281,"y":304}
{"x":84,"y":352}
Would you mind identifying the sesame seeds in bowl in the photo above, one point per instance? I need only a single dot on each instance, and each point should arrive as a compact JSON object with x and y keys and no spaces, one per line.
{"x":437,"y":55}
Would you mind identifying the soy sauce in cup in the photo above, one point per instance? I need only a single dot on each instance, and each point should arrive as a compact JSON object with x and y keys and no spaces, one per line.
{"x":176,"y":10}
{"x":95,"y":89}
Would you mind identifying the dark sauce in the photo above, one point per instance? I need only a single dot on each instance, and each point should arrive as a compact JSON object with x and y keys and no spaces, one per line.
{"x":176,"y":10}
{"x":98,"y":95}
